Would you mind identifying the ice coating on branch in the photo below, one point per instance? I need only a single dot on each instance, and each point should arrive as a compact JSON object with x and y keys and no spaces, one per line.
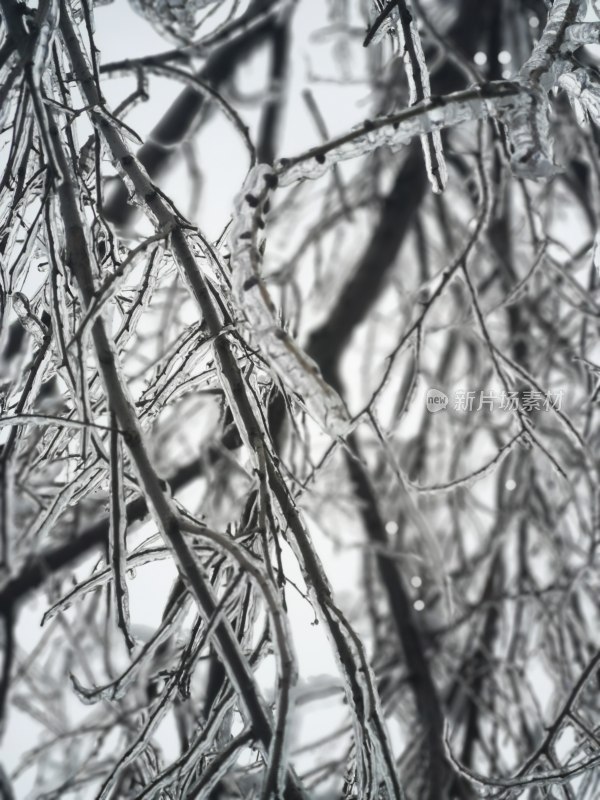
{"x":98,"y":579}
{"x":528,"y":128}
{"x":583,"y":95}
{"x":419,"y":90}
{"x":596,"y":254}
{"x":400,"y":22}
{"x":27,"y":318}
{"x":45,"y":37}
{"x":582,"y":33}
{"x":81,"y":484}
{"x":295,"y":368}
{"x":522,"y":105}
{"x":394,"y":131}
{"x":524,"y":110}
{"x":528,"y":124}
{"x":175,"y":373}
{"x":147,"y":660}
{"x":539,"y":66}
{"x":389,"y":23}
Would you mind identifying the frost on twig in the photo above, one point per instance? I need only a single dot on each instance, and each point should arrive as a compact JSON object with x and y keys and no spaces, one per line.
{"x":259,"y":316}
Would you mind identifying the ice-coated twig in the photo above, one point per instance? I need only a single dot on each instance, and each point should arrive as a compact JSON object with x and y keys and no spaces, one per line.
{"x":583,"y":95}
{"x":102,"y":578}
{"x":530,"y":774}
{"x":371,"y":737}
{"x":580,"y":34}
{"x":219,"y":767}
{"x":411,"y":47}
{"x":385,"y":19}
{"x":296,"y":369}
{"x":528,"y":124}
{"x":467,"y":481}
{"x":399,"y":129}
{"x":142,"y":661}
{"x":183,"y":768}
{"x":539,"y":66}
{"x":28,"y":319}
{"x":551,"y":777}
{"x":277,"y":761}
{"x":48,"y":25}
{"x":117,"y":549}
{"x":160,"y":708}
